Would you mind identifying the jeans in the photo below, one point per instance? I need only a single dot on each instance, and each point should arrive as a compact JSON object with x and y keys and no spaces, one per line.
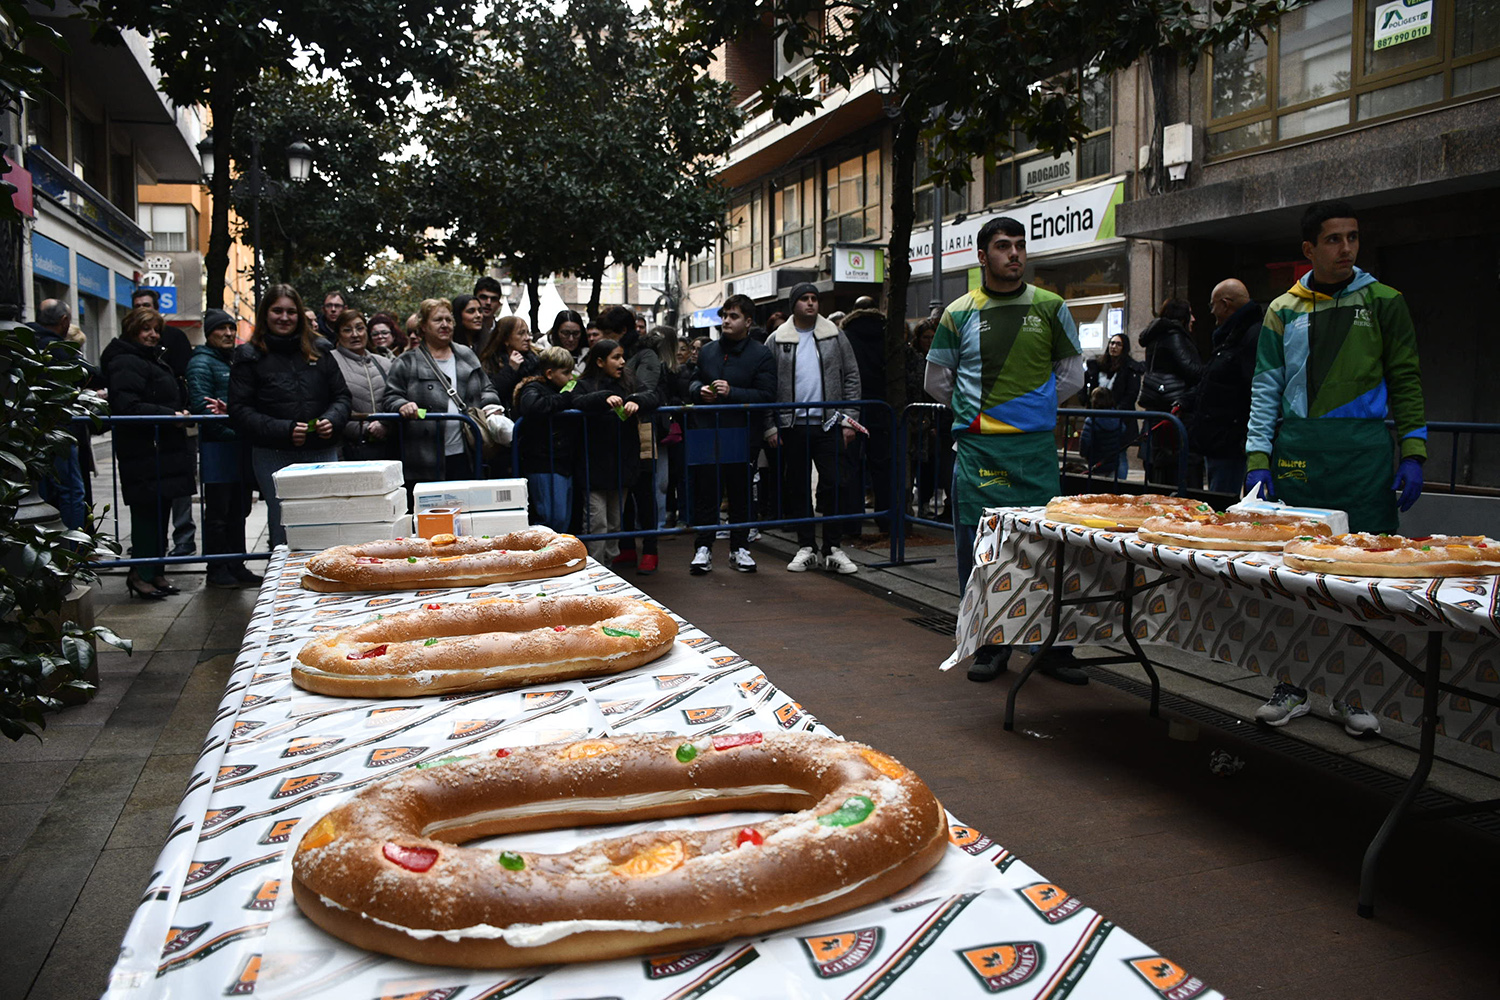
{"x":64,"y":489}
{"x":604,"y":518}
{"x":1225,"y":475}
{"x":552,"y":496}
{"x":269,"y":461}
{"x":184,"y":530}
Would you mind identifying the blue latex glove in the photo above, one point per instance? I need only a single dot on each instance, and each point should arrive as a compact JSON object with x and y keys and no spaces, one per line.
{"x":1408,"y":483}
{"x":1262,"y":478}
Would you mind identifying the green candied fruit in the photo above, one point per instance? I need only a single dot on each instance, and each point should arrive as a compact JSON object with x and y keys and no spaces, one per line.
{"x":1304,"y":538}
{"x":424,"y":765}
{"x":1203,"y":506}
{"x":411,"y":559}
{"x":686,"y":753}
{"x":856,"y":809}
{"x":430,"y":642}
{"x":486,"y":536}
{"x":618,"y":632}
{"x":1427,"y":548}
{"x":511,"y":861}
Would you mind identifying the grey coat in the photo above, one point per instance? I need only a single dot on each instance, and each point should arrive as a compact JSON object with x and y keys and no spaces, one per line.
{"x":365,"y":376}
{"x":840,"y":369}
{"x":412,"y":380}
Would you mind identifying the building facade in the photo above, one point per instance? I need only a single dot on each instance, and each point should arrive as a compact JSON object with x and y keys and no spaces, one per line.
{"x":179,"y":218}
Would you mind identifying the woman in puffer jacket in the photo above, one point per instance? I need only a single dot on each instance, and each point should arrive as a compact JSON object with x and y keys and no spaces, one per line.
{"x":1173,"y":368}
{"x":287,"y":396}
{"x":224,"y":464}
{"x":365,"y":374}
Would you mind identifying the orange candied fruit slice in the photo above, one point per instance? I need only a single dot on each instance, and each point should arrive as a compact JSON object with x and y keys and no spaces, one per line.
{"x":883,"y":764}
{"x":321,"y":835}
{"x":652,"y":861}
{"x":587,"y":749}
{"x":444,"y":539}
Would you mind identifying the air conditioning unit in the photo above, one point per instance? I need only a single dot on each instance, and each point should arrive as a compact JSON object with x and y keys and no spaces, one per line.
{"x":1177,"y":149}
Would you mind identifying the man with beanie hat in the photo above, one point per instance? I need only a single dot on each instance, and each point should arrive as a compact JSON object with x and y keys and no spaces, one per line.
{"x":815,"y":363}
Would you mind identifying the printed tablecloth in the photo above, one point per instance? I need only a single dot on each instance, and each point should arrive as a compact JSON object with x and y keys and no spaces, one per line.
{"x":1248,"y":609}
{"x":218,"y":920}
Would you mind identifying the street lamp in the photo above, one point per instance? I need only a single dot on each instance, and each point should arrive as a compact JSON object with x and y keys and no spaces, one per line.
{"x":206,"y":156}
{"x":299,"y":161}
{"x":299,"y":169}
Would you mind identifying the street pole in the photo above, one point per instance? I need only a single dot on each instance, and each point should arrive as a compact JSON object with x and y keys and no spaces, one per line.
{"x":936,"y":305}
{"x":255,"y":184}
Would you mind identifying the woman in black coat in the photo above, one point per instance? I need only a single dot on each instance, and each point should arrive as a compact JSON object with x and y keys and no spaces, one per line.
{"x":287,"y":396}
{"x":155,"y":464}
{"x":1173,"y":368}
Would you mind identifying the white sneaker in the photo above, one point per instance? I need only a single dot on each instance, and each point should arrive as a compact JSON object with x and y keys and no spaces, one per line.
{"x":1357,"y":721}
{"x":754,"y":534}
{"x":741,"y":560}
{"x":703,"y":561}
{"x":805,"y":559}
{"x":837,"y":562}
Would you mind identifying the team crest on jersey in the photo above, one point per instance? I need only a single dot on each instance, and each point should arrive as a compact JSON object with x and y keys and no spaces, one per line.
{"x":1005,"y":964}
{"x":619,"y":706}
{"x":264,"y":898}
{"x":214,"y":817}
{"x":386,"y":756}
{"x":1051,"y":902}
{"x":663,"y":966}
{"x":200,"y":870}
{"x":304,"y":783}
{"x":473,"y":727}
{"x":703,"y":716}
{"x":229,"y":771}
{"x":788,"y":714}
{"x":970,"y":839}
{"x":280,"y":831}
{"x":835,"y":954}
{"x":1167,"y":977}
{"x":180,"y":938}
{"x":666,"y":682}
{"x":755,"y":685}
{"x":304,"y":745}
{"x":534,"y":700}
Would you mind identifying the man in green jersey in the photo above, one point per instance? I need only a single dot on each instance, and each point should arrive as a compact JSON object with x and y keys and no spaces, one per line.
{"x":1002,"y":358}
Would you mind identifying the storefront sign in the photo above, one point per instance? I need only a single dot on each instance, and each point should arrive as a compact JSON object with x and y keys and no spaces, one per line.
{"x":124,"y":288}
{"x":1058,"y":222}
{"x":168,"y":306}
{"x":20,"y":178}
{"x":865,"y":264}
{"x":1049,"y":174}
{"x":93,"y":278}
{"x":757,"y":286}
{"x":1402,"y":21}
{"x":49,"y":258}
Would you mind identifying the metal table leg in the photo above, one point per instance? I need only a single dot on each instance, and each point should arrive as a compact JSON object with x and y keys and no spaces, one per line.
{"x":1061,"y":551}
{"x":1430,"y":691}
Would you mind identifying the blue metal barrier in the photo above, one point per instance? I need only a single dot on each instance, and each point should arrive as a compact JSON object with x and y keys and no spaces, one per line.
{"x":105,"y":422}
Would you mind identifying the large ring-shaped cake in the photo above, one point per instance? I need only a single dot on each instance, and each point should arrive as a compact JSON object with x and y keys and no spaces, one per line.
{"x":382,"y":870}
{"x":1118,"y":512}
{"x":1231,"y":531}
{"x":1364,"y":554}
{"x":444,"y":561}
{"x":484,"y":645}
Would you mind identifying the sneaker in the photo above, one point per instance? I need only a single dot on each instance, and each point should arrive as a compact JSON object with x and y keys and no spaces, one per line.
{"x":703,"y":561}
{"x":1286,"y":703}
{"x":805,"y":559}
{"x":626,"y":558}
{"x":1357,"y":721}
{"x":990,"y":662}
{"x":1060,"y":665}
{"x":741,"y":560}
{"x":647,"y":566}
{"x":754,"y":534}
{"x":837,"y":562}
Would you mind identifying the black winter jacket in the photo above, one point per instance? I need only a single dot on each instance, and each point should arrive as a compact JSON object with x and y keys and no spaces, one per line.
{"x":1220,"y":408}
{"x":548,"y":441}
{"x":865,"y":329}
{"x":613,"y":450}
{"x":1172,"y":365}
{"x":270,"y":393}
{"x":749,"y":369}
{"x":153,"y":461}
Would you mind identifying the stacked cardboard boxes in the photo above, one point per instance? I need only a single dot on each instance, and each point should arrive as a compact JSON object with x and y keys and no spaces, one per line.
{"x":340,"y":503}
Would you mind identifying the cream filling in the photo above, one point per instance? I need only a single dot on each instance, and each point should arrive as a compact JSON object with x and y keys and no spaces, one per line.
{"x":1236,"y":543}
{"x":535,"y":935}
{"x":608,"y":804}
{"x":425,"y":677}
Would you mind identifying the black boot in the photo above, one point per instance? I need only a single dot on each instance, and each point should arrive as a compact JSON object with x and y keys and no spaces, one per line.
{"x":989,"y":662}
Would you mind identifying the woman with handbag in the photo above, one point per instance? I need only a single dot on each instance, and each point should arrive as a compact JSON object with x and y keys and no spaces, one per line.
{"x":1173,"y":368}
{"x":442,"y":377}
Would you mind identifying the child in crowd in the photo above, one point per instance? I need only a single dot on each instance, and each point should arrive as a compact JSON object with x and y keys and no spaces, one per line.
{"x":607,"y":394}
{"x":1105,"y":439}
{"x":547,"y":440}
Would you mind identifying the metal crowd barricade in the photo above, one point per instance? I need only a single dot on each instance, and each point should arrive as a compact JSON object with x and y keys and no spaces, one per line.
{"x":716,"y":446}
{"x":99,"y":424}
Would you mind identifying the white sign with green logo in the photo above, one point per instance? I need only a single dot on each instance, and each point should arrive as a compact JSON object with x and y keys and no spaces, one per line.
{"x":1402,"y":21}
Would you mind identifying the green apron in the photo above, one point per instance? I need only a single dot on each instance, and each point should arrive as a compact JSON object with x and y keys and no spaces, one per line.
{"x":1342,"y":463}
{"x":1004,"y":470}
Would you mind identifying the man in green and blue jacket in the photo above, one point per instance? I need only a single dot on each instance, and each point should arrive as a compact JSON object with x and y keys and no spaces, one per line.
{"x":1337,"y":357}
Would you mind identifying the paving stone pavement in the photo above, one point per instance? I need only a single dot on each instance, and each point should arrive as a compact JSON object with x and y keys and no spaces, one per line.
{"x":1249,"y":882}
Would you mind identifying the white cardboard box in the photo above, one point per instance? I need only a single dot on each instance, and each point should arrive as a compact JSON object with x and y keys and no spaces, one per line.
{"x":312,"y":537}
{"x":475,"y":522}
{"x":309,"y":480}
{"x":335,"y":510}
{"x":472,"y":495}
{"x":1337,"y":520}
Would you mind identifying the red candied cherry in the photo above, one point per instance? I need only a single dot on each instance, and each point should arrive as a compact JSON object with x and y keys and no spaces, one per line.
{"x":502,"y":752}
{"x":749,"y":836}
{"x":369,"y":654}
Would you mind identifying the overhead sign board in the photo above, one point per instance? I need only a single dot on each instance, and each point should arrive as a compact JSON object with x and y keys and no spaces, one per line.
{"x":1064,"y":221}
{"x":49,"y":258}
{"x":757,"y":286}
{"x":866,"y":264}
{"x":1049,"y":173}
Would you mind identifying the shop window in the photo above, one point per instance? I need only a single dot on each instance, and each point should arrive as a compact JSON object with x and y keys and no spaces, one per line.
{"x":793,"y":216}
{"x":742,"y":243}
{"x":1095,"y":153}
{"x":954,"y":201}
{"x":851,"y":199}
{"x":702,"y":267}
{"x":1335,"y":63}
{"x":170,"y":226}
